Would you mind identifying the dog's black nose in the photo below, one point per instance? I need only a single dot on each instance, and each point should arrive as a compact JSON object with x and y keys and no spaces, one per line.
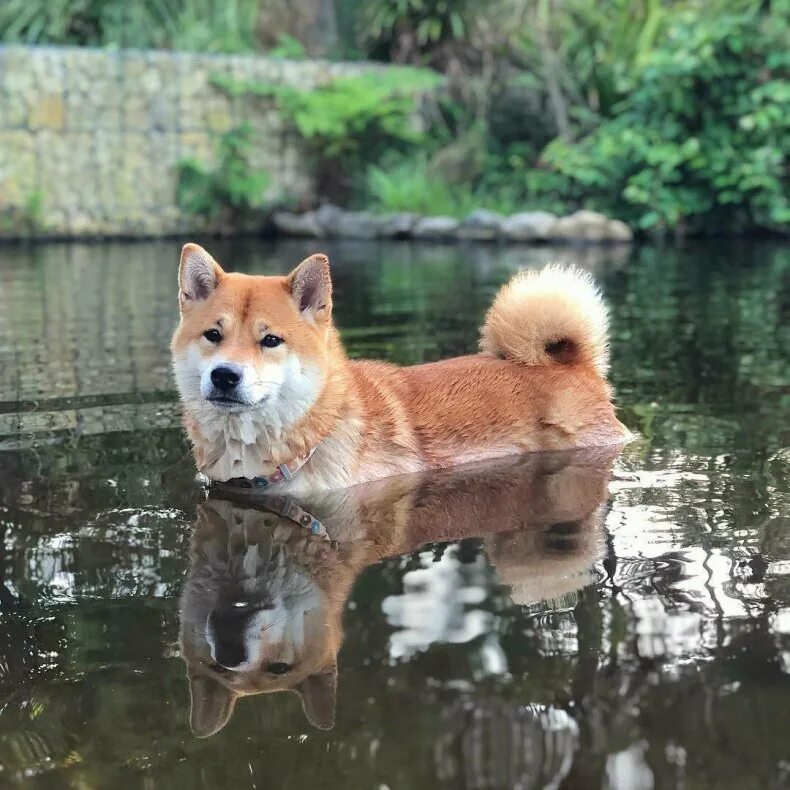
{"x":227,"y":633}
{"x":230,"y":655}
{"x":225,"y":378}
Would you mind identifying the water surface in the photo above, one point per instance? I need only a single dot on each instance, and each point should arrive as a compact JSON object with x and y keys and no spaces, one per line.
{"x":524,"y":626}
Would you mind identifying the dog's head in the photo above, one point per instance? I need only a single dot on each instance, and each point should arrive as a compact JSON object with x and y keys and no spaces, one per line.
{"x":252,"y":343}
{"x":254,"y":617}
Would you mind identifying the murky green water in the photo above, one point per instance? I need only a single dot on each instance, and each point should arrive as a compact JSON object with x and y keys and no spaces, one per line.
{"x":510,"y":627}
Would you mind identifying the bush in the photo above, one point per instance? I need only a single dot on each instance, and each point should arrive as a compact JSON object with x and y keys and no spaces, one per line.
{"x":700,"y":141}
{"x":669,"y":115}
{"x":409,"y":186}
{"x":414,"y":185}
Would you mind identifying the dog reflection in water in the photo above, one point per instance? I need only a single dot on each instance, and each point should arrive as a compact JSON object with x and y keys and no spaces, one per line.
{"x":262,"y":607}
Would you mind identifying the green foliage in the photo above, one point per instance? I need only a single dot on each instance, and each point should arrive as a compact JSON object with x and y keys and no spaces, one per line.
{"x":351,"y":121}
{"x":233,"y":188}
{"x":414,"y":185}
{"x":701,"y":139}
{"x":404,"y":28}
{"x":594,"y":48}
{"x":670,"y":114}
{"x":409,"y":186}
{"x":288,"y":48}
{"x":202,"y":25}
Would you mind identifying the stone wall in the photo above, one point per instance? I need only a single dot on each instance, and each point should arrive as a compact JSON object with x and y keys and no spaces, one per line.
{"x":96,"y":135}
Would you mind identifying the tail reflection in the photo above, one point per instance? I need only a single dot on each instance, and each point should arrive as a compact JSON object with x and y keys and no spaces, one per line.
{"x":262,"y":607}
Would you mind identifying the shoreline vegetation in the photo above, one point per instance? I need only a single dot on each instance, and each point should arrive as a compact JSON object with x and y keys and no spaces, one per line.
{"x":510,"y":120}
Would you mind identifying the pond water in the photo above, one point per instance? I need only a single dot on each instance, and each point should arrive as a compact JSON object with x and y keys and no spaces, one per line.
{"x":531,"y":624}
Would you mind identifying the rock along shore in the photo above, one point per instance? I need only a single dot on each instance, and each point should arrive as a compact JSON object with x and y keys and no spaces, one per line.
{"x":481,"y":225}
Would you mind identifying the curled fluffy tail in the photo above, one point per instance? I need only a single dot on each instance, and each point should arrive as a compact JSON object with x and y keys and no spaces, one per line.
{"x":554,"y":316}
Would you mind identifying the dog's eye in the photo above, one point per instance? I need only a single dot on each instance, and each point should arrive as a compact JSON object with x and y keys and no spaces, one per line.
{"x":278,"y":668}
{"x":271,"y":341}
{"x":212,"y":335}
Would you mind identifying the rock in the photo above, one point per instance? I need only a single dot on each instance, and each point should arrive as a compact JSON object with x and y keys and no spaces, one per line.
{"x":435,"y":228}
{"x":619,"y":231}
{"x":48,"y":112}
{"x":328,"y":218}
{"x":358,"y":225}
{"x":288,"y":223}
{"x":590,"y":226}
{"x":528,"y":225}
{"x":481,"y":225}
{"x":580,"y":226}
{"x":398,"y":226}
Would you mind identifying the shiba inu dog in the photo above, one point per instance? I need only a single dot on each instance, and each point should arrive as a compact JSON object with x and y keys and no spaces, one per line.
{"x":262,"y":608}
{"x":270,"y":396}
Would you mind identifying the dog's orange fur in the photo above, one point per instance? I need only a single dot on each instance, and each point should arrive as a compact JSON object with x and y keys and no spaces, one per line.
{"x":538,"y":384}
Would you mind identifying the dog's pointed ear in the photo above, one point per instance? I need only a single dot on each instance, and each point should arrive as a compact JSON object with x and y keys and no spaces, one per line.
{"x":310,"y":284}
{"x":319,"y":697}
{"x":211,"y":705}
{"x":198,"y":275}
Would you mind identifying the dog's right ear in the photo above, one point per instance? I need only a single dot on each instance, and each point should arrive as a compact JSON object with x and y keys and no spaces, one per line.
{"x":198,"y":275}
{"x":211,"y":705}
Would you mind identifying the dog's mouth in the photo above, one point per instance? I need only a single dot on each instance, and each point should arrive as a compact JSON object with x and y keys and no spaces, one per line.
{"x":229,"y":402}
{"x":224,"y":400}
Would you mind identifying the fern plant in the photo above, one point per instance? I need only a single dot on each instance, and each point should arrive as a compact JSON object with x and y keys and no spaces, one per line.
{"x":350,"y":122}
{"x":232,"y":189}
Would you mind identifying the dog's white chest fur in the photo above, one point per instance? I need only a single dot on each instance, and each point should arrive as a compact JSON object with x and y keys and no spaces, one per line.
{"x":243,"y":444}
{"x":235,"y":445}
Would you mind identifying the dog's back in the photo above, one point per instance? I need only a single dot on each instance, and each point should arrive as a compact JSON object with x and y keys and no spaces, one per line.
{"x":538,"y":384}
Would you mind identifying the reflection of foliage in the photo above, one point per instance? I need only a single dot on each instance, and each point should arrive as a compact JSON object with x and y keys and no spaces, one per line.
{"x":232,"y":188}
{"x":710,"y":335}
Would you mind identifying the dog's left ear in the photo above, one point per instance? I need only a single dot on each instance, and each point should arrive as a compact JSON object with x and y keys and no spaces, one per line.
{"x":310,"y":285}
{"x":319,"y":697}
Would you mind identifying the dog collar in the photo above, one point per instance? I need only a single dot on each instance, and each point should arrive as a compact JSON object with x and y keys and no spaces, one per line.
{"x":286,"y":507}
{"x":283,"y":472}
{"x":281,"y":505}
